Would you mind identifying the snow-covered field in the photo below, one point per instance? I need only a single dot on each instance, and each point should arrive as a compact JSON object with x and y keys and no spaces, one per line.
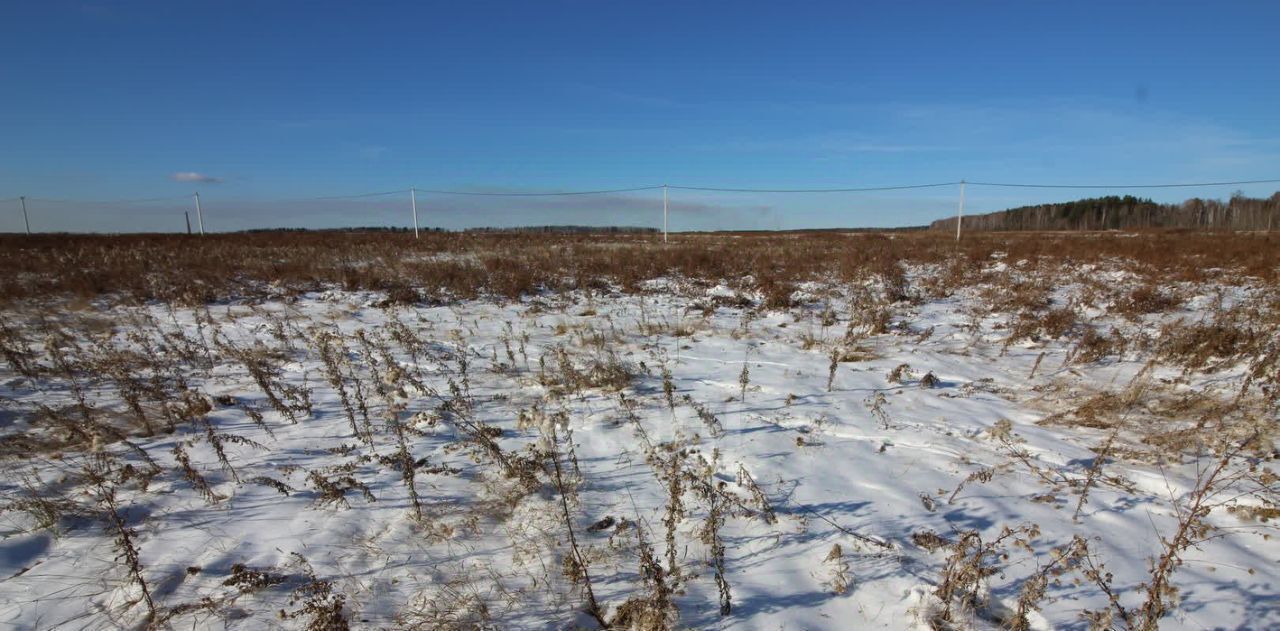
{"x":857,"y":461}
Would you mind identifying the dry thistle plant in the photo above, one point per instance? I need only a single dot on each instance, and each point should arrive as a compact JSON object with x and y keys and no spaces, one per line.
{"x":193,"y":476}
{"x":1103,"y":452}
{"x":96,"y":472}
{"x":280,"y":487}
{"x":1036,"y":365}
{"x":457,"y":411}
{"x":655,"y":610}
{"x":404,"y":460}
{"x":712,"y":492}
{"x":248,"y":580}
{"x":668,"y":388}
{"x":671,"y":471}
{"x":255,"y":415}
{"x":971,"y":561}
{"x":840,"y":579}
{"x":1096,"y":572}
{"x":456,"y":606}
{"x":17,"y":351}
{"x":877,"y":405}
{"x":1056,"y":480}
{"x":69,"y":370}
{"x":1063,"y":559}
{"x":1233,"y":471}
{"x":758,"y":496}
{"x":981,"y":476}
{"x":930,"y":380}
{"x":709,"y":420}
{"x":332,"y":354}
{"x":323,"y":607}
{"x":836,"y":354}
{"x":218,"y":442}
{"x":334,"y":490}
{"x":286,"y":399}
{"x":122,"y":369}
{"x":867,"y":313}
{"x":899,"y":373}
{"x":44,"y":504}
{"x":576,"y":565}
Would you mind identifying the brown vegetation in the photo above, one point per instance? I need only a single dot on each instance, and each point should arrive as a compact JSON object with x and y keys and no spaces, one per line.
{"x":451,"y":266}
{"x":53,"y":339}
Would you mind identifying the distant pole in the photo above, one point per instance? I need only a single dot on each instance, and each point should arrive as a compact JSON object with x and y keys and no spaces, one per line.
{"x":199,"y":215}
{"x":25,"y":221}
{"x":413,"y":199}
{"x":187,"y":215}
{"x":664,"y":213}
{"x":960,"y":212}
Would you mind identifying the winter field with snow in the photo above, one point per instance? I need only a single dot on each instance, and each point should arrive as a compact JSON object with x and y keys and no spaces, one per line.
{"x":828,"y":431}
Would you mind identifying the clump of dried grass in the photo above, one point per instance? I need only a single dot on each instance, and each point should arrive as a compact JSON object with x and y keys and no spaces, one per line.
{"x":317,"y":601}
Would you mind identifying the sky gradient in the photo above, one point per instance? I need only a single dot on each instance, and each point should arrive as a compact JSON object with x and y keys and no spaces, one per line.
{"x":259,"y":104}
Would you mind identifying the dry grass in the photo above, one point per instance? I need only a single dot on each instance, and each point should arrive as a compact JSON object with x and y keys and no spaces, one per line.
{"x":113,"y":394}
{"x":451,"y":266}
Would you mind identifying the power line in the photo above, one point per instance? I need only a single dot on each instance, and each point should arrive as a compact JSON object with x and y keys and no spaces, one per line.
{"x":672,"y":187}
{"x":317,"y":198}
{"x":1184,"y":185}
{"x":108,"y":201}
{"x":356,"y":196}
{"x":551,"y":194}
{"x":813,"y":190}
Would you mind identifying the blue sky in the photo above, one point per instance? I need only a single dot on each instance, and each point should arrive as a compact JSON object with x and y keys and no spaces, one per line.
{"x":281,"y":100}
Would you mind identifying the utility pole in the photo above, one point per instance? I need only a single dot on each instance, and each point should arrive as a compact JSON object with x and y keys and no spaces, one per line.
{"x":413,"y":199}
{"x":960,"y":212}
{"x":25,"y":221}
{"x":664,"y":213}
{"x":199,"y":215}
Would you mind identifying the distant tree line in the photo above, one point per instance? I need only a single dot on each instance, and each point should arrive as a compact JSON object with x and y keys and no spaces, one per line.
{"x":609,"y":229}
{"x":398,"y":229}
{"x":345,"y":229}
{"x":1129,"y":213}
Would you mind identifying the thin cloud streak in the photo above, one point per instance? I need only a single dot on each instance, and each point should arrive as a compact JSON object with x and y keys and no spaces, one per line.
{"x":191,"y":177}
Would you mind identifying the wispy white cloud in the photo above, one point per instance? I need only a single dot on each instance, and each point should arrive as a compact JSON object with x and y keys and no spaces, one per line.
{"x":625,"y":97}
{"x":825,"y":145}
{"x":193,"y":177}
{"x":372,"y":152}
{"x":1031,"y":139}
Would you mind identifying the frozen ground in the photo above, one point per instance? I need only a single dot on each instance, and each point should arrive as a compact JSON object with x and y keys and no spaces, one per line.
{"x":870,"y":464}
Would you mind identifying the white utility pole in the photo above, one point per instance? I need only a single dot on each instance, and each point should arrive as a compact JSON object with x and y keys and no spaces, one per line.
{"x":25,"y":221}
{"x":199,"y":215}
{"x":664,"y":213}
{"x":413,"y":199}
{"x":960,"y":212}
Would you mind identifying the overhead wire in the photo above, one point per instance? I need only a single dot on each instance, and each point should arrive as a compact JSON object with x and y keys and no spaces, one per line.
{"x":1123,"y":186}
{"x":863,"y":189}
{"x":355,"y":196}
{"x":812,"y":190}
{"x":538,"y":194}
{"x":108,"y":201}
